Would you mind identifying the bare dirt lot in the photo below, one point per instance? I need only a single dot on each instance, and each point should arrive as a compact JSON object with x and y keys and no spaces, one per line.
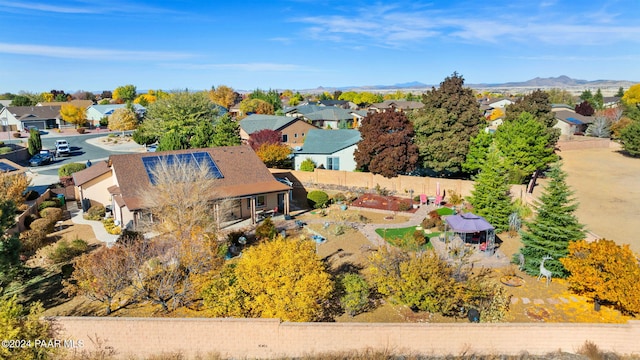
{"x":607,"y":186}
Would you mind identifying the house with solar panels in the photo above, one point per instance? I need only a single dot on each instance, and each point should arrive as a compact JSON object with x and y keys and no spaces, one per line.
{"x":240,"y":178}
{"x":571,"y":123}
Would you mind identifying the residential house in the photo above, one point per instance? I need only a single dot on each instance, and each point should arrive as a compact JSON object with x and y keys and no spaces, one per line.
{"x":301,"y":110}
{"x":21,"y":118}
{"x":329,"y":149}
{"x":331,"y":118}
{"x":91,"y":183}
{"x":610,"y":101}
{"x":571,"y":123}
{"x":96,"y":112}
{"x":338,"y":103}
{"x":242,"y":181}
{"x":293,"y":129}
{"x":395,"y":105}
{"x":9,"y":167}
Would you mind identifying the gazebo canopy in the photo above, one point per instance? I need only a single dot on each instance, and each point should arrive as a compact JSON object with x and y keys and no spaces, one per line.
{"x":468,"y":223}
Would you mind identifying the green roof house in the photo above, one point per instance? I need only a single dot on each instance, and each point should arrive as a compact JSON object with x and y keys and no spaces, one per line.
{"x":329,"y":149}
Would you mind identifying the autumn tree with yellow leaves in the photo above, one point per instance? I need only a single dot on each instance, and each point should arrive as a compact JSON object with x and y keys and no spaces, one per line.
{"x":605,"y":272}
{"x":123,"y":119}
{"x":223,"y":96}
{"x":281,"y":278}
{"x":73,"y":114}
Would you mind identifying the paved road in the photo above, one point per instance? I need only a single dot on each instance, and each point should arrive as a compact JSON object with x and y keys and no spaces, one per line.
{"x":82,"y":150}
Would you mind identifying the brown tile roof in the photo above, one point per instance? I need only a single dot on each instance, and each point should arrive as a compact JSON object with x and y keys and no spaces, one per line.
{"x":244,"y":174}
{"x":90,"y":173}
{"x":34,"y":112}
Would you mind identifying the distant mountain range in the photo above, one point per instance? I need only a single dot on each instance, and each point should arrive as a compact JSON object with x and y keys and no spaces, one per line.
{"x":562,"y":81}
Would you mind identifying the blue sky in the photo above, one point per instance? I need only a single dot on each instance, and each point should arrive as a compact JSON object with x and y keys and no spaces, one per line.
{"x":300,"y":44}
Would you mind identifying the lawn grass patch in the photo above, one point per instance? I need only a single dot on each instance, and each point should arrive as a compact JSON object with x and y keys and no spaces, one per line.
{"x":402,"y":238}
{"x":445,"y":211}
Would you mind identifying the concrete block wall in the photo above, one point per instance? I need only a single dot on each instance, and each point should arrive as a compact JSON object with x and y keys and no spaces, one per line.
{"x":269,"y":338}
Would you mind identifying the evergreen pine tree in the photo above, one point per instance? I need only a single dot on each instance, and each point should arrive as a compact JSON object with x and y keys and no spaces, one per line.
{"x":490,"y":196}
{"x":227,"y":132}
{"x":553,"y":227}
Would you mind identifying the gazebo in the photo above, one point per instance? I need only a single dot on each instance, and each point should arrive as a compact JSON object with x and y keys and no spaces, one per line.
{"x":473,"y":228}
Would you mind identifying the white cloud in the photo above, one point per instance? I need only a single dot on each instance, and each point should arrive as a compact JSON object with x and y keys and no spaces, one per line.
{"x":403,"y":26}
{"x":90,"y":53}
{"x":48,"y":7}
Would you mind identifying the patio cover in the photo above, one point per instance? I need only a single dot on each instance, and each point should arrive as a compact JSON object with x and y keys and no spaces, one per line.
{"x":468,"y":223}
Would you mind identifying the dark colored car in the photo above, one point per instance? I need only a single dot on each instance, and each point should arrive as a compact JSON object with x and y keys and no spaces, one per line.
{"x":40,"y":159}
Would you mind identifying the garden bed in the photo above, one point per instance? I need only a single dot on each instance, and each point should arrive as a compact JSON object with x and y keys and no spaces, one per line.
{"x":390,"y":203}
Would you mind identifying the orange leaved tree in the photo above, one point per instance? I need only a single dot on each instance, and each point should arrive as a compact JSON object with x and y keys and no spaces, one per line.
{"x":605,"y":272}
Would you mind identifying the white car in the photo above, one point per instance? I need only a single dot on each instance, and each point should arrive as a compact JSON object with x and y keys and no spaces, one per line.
{"x":62,"y":148}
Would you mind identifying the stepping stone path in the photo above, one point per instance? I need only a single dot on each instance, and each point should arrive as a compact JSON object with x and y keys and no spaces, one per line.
{"x":553,"y":301}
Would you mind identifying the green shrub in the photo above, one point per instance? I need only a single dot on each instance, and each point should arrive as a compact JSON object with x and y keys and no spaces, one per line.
{"x":339,"y":197}
{"x":404,"y":206}
{"x":65,"y":251}
{"x":32,"y":240}
{"x":428,"y":223}
{"x":96,"y":212}
{"x":356,"y":294}
{"x":111,"y":227}
{"x":43,"y":225}
{"x":29,"y":219}
{"x":419,"y":237}
{"x":317,"y":199}
{"x":5,"y":150}
{"x":307,"y":165}
{"x":104,"y":121}
{"x":68,"y":169}
{"x":54,"y":202}
{"x":31,"y":195}
{"x":129,"y":237}
{"x":51,"y":213}
{"x":266,"y":230}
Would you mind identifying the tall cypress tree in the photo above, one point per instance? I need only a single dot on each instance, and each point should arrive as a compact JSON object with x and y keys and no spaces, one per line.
{"x":490,"y":196}
{"x":35,"y":142}
{"x":553,"y":227}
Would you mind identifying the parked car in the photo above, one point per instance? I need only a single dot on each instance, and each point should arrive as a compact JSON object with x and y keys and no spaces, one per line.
{"x":40,"y":159}
{"x":152,"y":148}
{"x":62,"y":148}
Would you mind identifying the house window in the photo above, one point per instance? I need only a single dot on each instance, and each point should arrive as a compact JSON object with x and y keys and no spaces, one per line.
{"x":295,"y":135}
{"x":333,"y":163}
{"x":285,"y":137}
{"x":260,"y":201}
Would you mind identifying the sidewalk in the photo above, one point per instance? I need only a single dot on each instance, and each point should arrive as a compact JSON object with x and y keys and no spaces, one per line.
{"x":99,"y":230}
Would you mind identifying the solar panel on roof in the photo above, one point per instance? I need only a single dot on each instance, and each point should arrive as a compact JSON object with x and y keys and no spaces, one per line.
{"x":202,"y":160}
{"x":574,"y":121}
{"x":6,"y":167}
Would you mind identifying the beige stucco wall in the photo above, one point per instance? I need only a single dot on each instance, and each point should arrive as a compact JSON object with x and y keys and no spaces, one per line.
{"x":296,"y":132}
{"x":96,"y":189}
{"x":269,"y":338}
